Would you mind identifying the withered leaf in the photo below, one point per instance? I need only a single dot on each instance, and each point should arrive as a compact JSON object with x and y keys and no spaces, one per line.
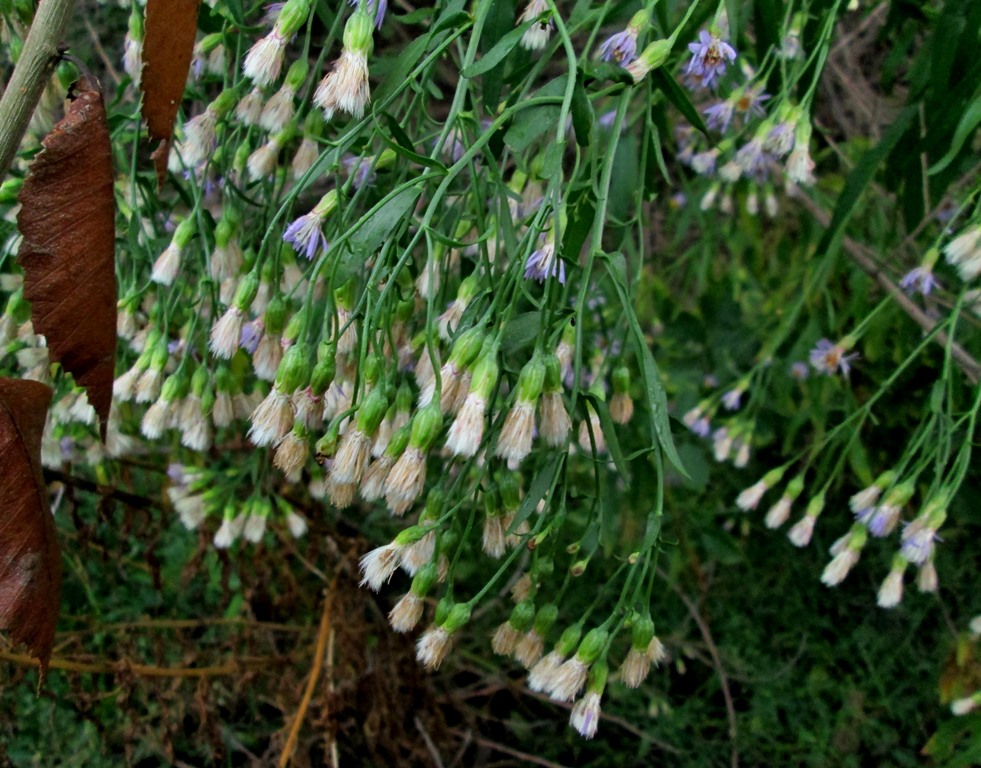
{"x":67,"y":218}
{"x":30,"y":559}
{"x":168,"y":44}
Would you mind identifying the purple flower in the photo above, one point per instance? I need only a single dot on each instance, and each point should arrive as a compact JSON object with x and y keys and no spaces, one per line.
{"x":379,"y":6}
{"x":799,"y":371}
{"x":306,"y":236}
{"x":752,"y":159}
{"x":919,"y":280}
{"x":917,"y":543}
{"x":732,"y":398}
{"x":718,"y":116}
{"x":621,"y":47}
{"x":251,"y":335}
{"x":865,"y":515}
{"x":829,"y":358}
{"x":361,"y":169}
{"x":749,"y":103}
{"x":780,"y":139}
{"x":544,"y":263}
{"x":710,"y":55}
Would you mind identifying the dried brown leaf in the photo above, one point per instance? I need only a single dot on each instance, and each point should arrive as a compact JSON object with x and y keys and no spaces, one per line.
{"x":67,"y":218}
{"x":30,"y":559}
{"x":168,"y":45}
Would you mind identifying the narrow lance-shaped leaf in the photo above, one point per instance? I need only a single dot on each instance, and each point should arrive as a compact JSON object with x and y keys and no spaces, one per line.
{"x":67,"y":219}
{"x":30,"y":560}
{"x":168,"y":46}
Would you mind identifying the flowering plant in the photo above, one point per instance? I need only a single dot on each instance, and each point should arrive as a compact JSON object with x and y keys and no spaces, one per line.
{"x":498,"y":287}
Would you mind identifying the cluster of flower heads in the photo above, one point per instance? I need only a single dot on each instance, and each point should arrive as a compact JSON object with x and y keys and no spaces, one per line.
{"x":397,"y":385}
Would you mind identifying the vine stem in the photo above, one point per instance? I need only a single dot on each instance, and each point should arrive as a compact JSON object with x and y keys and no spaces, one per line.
{"x":30,"y":75}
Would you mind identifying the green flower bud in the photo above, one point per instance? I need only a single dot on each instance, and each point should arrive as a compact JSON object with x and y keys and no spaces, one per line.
{"x":326,"y":446}
{"x":410,"y":535}
{"x":295,"y":325}
{"x":426,"y":426}
{"x":296,"y":74}
{"x":208,"y":401}
{"x":171,"y":390}
{"x":592,"y":645}
{"x":226,"y":100}
{"x":569,"y":640}
{"x":246,"y":291}
{"x":794,"y":487}
{"x":399,"y":441}
{"x":522,"y":616}
{"x":900,"y":494}
{"x":372,"y":411}
{"x":159,"y":356}
{"x":815,"y":506}
{"x":403,"y":398}
{"x":358,"y":32}
{"x":507,"y":483}
{"x":424,"y":580}
{"x":458,"y":617}
{"x":773,"y":477}
{"x":9,"y":191}
{"x":466,"y":348}
{"x":598,"y":674}
{"x":621,"y":379}
{"x":641,"y":633}
{"x":294,"y":369}
{"x":531,"y":379}
{"x":322,"y":376}
{"x":223,"y":379}
{"x":435,"y":502}
{"x":274,"y":317}
{"x":492,"y":501}
{"x":545,"y":619}
{"x":200,"y":380}
{"x":443,"y":608}
{"x":485,"y":373}
{"x":292,"y":17}
{"x":184,"y":233}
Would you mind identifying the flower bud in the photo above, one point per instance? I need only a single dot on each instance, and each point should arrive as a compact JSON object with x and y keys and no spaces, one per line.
{"x":372,"y":411}
{"x":459,"y":616}
{"x":592,"y":645}
{"x":531,"y":379}
{"x":426,"y":426}
{"x":246,"y":291}
{"x":294,"y":370}
{"x":358,"y":32}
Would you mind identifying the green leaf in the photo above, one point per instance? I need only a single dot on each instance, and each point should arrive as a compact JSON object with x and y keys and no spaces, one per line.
{"x":861,"y":177}
{"x":679,"y":97}
{"x":609,"y":432}
{"x":544,"y":482}
{"x":496,"y":55}
{"x":580,"y":210}
{"x":969,"y":122}
{"x":376,"y":229}
{"x":521,"y":331}
{"x":531,"y":123}
{"x":657,"y":400}
{"x":399,"y":147}
{"x":583,"y":117}
{"x":404,"y":65}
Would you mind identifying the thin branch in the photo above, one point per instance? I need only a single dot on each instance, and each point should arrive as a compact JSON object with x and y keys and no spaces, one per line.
{"x":318,"y":661}
{"x":498,"y":747}
{"x":30,"y":75}
{"x":143,"y":670}
{"x":965,"y":361}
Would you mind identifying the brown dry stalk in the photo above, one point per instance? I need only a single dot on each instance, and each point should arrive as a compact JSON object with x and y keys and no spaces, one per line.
{"x":319,"y":651}
{"x":141,"y":670}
